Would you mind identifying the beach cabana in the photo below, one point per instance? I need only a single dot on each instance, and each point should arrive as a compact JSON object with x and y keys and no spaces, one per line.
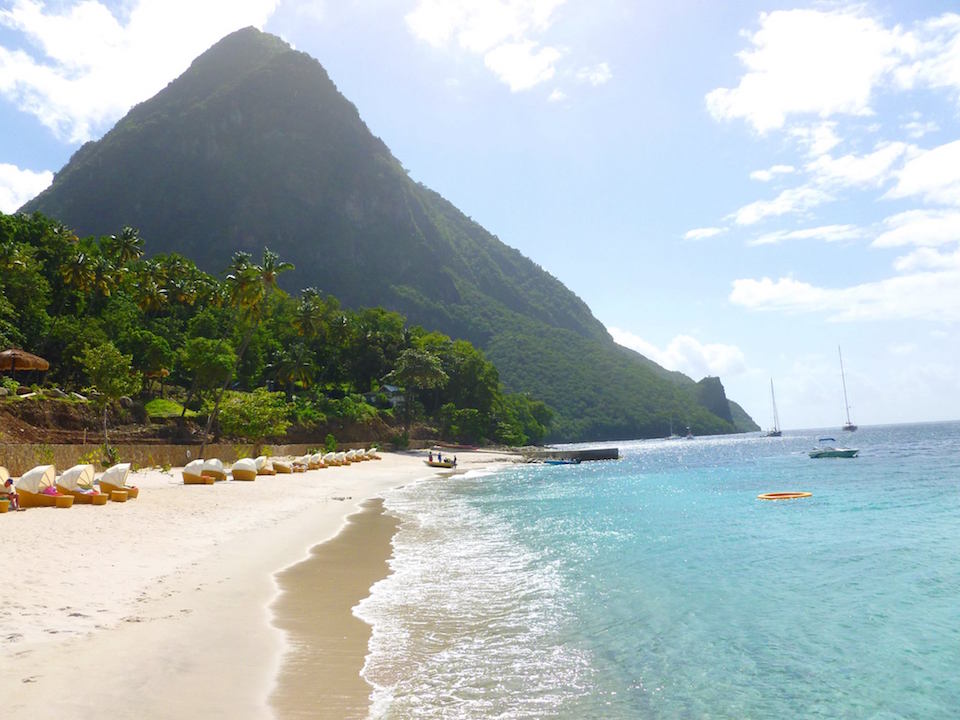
{"x":114,"y":481}
{"x":372,"y":454}
{"x":330,"y":459}
{"x":214,"y":468}
{"x":4,"y":474}
{"x":316,"y":461}
{"x":37,"y":488}
{"x":264,"y":466}
{"x":341,"y":458}
{"x":78,"y":482}
{"x":283,"y":467}
{"x":244,"y":469}
{"x":193,"y":474}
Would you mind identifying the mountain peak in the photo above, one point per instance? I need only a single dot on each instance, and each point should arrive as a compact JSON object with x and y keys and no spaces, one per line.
{"x":254,"y":146}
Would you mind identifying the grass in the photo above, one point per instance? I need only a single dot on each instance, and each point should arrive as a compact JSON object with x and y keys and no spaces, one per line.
{"x":163,"y":408}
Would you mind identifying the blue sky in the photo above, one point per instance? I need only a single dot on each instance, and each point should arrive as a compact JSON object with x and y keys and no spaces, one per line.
{"x":734,"y":188}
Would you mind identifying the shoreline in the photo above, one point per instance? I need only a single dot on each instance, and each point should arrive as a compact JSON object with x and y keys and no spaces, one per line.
{"x":162,"y":606}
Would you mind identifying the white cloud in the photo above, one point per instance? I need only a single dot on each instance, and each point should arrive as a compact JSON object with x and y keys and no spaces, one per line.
{"x":933,"y":296}
{"x":827,"y":233}
{"x":772,"y":172}
{"x":17,"y":186}
{"x":927,"y":259}
{"x":789,"y":201}
{"x":703,"y":233}
{"x":521,"y":65}
{"x":813,"y":62}
{"x":599,"y":74}
{"x":851,"y":170}
{"x":480,"y":25}
{"x":87,"y":68}
{"x":687,"y":354}
{"x":818,"y":139}
{"x":557,"y":95}
{"x":933,"y":176}
{"x":922,"y":228}
{"x":916,"y":129}
{"x":506,"y":33}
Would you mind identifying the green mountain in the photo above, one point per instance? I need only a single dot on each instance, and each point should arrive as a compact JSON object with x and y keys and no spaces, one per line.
{"x":254,"y":146}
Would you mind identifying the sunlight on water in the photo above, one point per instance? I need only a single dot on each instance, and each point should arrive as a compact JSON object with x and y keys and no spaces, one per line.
{"x":660,"y":587}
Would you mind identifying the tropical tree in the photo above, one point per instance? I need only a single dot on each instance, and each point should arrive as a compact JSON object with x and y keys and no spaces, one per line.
{"x":111,"y":374}
{"x":416,"y":370}
{"x":125,"y":248}
{"x":250,"y":289}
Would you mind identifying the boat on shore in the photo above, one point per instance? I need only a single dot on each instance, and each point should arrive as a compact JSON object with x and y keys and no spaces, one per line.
{"x":828,"y":449}
{"x":775,"y":432}
{"x":849,"y":426}
{"x":562,"y":461}
{"x":441,"y":463}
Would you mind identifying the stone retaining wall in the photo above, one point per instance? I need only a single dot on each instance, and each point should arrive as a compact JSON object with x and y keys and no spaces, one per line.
{"x":18,"y":458}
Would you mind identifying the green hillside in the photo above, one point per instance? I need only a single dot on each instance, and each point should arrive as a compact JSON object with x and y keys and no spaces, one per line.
{"x":254,"y":146}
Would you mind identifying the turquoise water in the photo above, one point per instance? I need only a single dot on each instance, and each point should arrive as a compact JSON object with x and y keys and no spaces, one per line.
{"x":658,"y":586}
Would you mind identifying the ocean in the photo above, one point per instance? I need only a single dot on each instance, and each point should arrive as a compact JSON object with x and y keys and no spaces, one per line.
{"x":659,"y":586}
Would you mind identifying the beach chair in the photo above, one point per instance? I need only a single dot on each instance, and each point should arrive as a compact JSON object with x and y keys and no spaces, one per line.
{"x":114,"y":483}
{"x":244,"y":469}
{"x":37,"y":488}
{"x":283,"y":467}
{"x":264,"y":466}
{"x":342,"y":458}
{"x":214,"y":468}
{"x":193,"y":474}
{"x":78,"y":482}
{"x":316,"y":461}
{"x":372,"y":452}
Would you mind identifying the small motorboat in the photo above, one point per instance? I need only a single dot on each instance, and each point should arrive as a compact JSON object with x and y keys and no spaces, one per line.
{"x":562,"y":461}
{"x":441,"y":463}
{"x":827,"y":449}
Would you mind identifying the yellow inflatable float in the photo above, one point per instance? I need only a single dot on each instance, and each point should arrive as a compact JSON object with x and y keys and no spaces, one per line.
{"x":783,"y":495}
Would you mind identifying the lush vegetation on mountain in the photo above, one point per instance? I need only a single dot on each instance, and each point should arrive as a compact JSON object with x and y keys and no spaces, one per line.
{"x":107,"y":317}
{"x":254,"y":146}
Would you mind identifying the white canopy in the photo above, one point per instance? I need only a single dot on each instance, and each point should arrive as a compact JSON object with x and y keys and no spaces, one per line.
{"x":79,"y":478}
{"x":214,"y":467}
{"x":247,"y":464}
{"x":34,"y":481}
{"x":194,"y":468}
{"x":117,"y":475}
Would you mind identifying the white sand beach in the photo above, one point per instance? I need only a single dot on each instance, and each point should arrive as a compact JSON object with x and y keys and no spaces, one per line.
{"x":160,"y":607}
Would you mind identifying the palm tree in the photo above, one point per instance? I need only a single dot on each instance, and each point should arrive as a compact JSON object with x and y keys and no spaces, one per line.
{"x":250,"y":289}
{"x":78,"y":272}
{"x":296,"y":366}
{"x":126,"y":247}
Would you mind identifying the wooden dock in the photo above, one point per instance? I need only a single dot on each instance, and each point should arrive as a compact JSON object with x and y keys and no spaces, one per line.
{"x":581,"y":455}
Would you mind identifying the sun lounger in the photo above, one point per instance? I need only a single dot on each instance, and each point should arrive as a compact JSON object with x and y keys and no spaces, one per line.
{"x":37,"y":488}
{"x":214,"y":468}
{"x":245,"y":469}
{"x":193,"y":474}
{"x":114,"y":481}
{"x":264,"y":466}
{"x":78,"y":482}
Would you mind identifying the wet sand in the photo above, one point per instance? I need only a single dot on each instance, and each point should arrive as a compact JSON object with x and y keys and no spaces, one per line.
{"x":327,"y":644}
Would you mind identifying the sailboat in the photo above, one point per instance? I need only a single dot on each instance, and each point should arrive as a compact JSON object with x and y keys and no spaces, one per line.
{"x":849,"y":427}
{"x":776,"y":432}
